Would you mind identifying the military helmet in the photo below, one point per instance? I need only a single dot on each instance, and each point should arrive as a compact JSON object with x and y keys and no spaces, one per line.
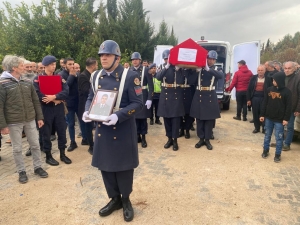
{"x":109,"y":47}
{"x":166,"y":54}
{"x":136,"y":55}
{"x":212,"y":54}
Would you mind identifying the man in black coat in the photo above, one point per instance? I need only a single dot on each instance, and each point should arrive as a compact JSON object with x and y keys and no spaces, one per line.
{"x":115,"y":148}
{"x":83,"y":92}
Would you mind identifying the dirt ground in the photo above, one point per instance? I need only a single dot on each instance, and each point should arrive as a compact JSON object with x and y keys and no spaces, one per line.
{"x":232,"y":184}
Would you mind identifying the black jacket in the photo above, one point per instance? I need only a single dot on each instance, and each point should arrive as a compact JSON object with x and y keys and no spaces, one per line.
{"x":83,"y":90}
{"x":277,"y":104}
{"x":252,"y":86}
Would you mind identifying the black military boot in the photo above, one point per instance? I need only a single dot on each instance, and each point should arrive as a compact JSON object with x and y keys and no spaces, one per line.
{"x":169,"y":143}
{"x":208,"y":144}
{"x":151,"y":122}
{"x":139,"y":140}
{"x":187,"y":134}
{"x":114,"y":204}
{"x":63,"y":157}
{"x":181,"y":133}
{"x":90,"y":150}
{"x":50,"y":160}
{"x":144,"y":142}
{"x":265,"y":154}
{"x":72,"y":146}
{"x":237,"y":117}
{"x":200,"y":143}
{"x":175,"y":144}
{"x":128,"y":212}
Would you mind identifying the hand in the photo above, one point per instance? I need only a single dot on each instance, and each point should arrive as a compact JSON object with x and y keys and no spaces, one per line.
{"x":227,"y":90}
{"x":198,"y":69}
{"x":72,"y":71}
{"x":111,"y":120}
{"x":5,"y":131}
{"x":285,"y":122}
{"x":148,"y":104}
{"x":85,"y":117}
{"x":248,"y":102}
{"x":206,"y":66}
{"x":48,"y":98}
{"x":296,"y":113}
{"x":261,"y":119}
{"x":177,"y":68}
{"x":40,"y":123}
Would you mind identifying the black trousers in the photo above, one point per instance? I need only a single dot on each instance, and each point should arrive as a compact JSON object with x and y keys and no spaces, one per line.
{"x":118,"y":183}
{"x":141,"y":126}
{"x":89,"y":132}
{"x":241,"y":101}
{"x":155,"y":106}
{"x":204,"y":128}
{"x":172,"y":126}
{"x":186,"y":122}
{"x":53,"y":115}
{"x":256,"y":103}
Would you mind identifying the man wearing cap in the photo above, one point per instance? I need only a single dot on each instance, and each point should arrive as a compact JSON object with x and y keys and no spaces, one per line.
{"x":205,"y":106}
{"x":240,"y":81}
{"x":147,"y":86}
{"x":54,"y":113}
{"x":115,"y":149}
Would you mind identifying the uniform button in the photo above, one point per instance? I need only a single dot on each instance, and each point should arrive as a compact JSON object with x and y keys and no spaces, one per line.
{"x":166,"y":99}
{"x":200,"y":100}
{"x":209,"y":101}
{"x":115,"y":138}
{"x":99,"y":135}
{"x":117,"y":79}
{"x":175,"y":93}
{"x":99,"y":125}
{"x":115,"y":89}
{"x":183,"y":98}
{"x":200,"y":95}
{"x":166,"y":93}
{"x":99,"y":86}
{"x":101,"y":77}
{"x":175,"y":98}
{"x":201,"y":79}
{"x":209,"y":95}
{"x":114,"y":128}
{"x":166,"y":88}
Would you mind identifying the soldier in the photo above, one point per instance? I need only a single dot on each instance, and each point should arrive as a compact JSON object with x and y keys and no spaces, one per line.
{"x":165,"y":56}
{"x":54,"y":113}
{"x":145,"y":79}
{"x":115,"y":149}
{"x":205,"y":107}
{"x":171,"y":106}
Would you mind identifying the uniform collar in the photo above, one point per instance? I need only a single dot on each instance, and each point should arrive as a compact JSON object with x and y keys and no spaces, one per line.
{"x":116,"y":73}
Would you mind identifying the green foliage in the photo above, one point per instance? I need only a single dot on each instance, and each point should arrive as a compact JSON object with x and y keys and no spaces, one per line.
{"x":287,"y":49}
{"x":75,"y":28}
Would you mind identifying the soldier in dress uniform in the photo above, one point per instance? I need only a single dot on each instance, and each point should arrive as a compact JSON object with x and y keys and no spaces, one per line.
{"x":115,"y":148}
{"x":165,"y":56}
{"x":148,"y":88}
{"x":205,"y":107}
{"x":170,"y":105}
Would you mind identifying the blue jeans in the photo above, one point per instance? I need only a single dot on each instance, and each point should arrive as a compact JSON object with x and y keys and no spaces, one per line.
{"x":279,"y":128}
{"x":71,"y":122}
{"x":290,"y":130}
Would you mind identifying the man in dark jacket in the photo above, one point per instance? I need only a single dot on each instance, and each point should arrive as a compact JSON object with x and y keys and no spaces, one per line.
{"x":270,"y":71}
{"x":70,"y":76}
{"x":276,"y":111}
{"x":292,"y":82}
{"x":241,"y":81}
{"x":255,"y":96}
{"x":83,"y":91}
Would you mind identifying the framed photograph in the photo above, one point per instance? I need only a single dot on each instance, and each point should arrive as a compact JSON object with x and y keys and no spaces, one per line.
{"x":102,"y":105}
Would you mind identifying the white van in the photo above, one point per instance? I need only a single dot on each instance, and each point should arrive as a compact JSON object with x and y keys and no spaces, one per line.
{"x":227,"y":60}
{"x":158,"y":50}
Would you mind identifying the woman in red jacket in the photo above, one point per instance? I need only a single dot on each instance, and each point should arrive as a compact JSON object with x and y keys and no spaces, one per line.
{"x":241,"y":81}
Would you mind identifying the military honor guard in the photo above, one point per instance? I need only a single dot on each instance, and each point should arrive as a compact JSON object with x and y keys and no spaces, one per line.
{"x":115,"y":151}
{"x":54,"y":113}
{"x":205,"y":107}
{"x":171,"y":106}
{"x":145,"y":78}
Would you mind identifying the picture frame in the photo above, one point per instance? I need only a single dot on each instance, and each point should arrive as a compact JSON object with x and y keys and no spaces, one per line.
{"x":102,"y":105}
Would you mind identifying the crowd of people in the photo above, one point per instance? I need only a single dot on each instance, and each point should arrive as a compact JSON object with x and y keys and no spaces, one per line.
{"x":145,"y":90}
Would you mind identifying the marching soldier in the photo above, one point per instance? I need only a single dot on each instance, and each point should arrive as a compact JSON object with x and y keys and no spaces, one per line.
{"x":171,"y":106}
{"x":146,"y":82}
{"x":205,"y":107}
{"x":115,"y":149}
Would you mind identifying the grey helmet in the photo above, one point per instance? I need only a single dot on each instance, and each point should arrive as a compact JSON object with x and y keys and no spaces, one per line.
{"x":136,"y":55}
{"x":166,"y":54}
{"x":109,"y":47}
{"x":212,"y":55}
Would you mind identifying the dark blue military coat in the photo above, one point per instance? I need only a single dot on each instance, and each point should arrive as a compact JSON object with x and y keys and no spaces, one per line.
{"x":205,"y":104}
{"x":147,"y":91}
{"x":171,"y":98}
{"x":115,"y":147}
{"x":187,"y":89}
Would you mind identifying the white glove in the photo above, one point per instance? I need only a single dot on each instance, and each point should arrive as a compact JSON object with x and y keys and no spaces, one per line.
{"x":206,"y":67}
{"x":111,"y":120}
{"x":148,"y":104}
{"x":85,"y":117}
{"x":177,"y":68}
{"x":198,"y":69}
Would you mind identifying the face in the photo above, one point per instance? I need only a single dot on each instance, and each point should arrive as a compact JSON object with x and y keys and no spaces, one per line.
{"x":136,"y":62}
{"x":277,"y":67}
{"x":28,"y":68}
{"x":126,"y":65}
{"x":289,"y":68}
{"x":103,"y":99}
{"x":51,"y":67}
{"x":41,"y":68}
{"x":107,"y":61}
{"x":20,"y":69}
{"x":211,"y":62}
{"x":61,"y":63}
{"x":33,"y":66}
{"x":153,"y":70}
{"x":77,"y":67}
{"x":261,"y":71}
{"x":165,"y":60}
{"x":145,"y":64}
{"x":69,"y":65}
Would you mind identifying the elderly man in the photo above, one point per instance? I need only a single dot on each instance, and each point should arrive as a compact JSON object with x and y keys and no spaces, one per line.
{"x":270,"y":71}
{"x":18,"y":113}
{"x":77,"y":68}
{"x":255,"y":96}
{"x":292,"y":82}
{"x":40,"y":68}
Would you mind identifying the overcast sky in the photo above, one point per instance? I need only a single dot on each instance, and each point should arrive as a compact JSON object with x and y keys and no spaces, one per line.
{"x":227,"y":20}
